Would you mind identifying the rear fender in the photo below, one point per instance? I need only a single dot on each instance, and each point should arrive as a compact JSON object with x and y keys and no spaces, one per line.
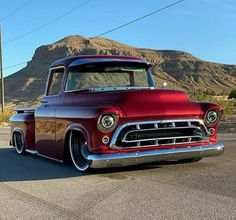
{"x":24,"y":123}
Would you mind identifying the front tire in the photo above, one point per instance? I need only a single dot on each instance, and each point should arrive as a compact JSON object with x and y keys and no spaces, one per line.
{"x":78,"y":149}
{"x":19,"y":142}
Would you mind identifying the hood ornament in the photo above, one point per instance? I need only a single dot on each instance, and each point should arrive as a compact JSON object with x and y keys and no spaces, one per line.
{"x":164,"y":85}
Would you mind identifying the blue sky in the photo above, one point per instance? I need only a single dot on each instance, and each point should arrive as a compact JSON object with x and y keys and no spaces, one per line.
{"x":204,"y":28}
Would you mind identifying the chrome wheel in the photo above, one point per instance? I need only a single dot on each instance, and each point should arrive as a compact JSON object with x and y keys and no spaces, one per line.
{"x":78,"y":150}
{"x":19,"y":142}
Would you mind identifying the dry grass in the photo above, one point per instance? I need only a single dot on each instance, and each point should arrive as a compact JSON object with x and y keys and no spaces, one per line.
{"x":5,"y":117}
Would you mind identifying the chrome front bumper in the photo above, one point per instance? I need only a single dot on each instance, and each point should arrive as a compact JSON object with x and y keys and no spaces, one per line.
{"x":139,"y":157}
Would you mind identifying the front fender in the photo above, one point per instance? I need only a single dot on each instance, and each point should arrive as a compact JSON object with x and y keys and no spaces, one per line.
{"x":80,"y":128}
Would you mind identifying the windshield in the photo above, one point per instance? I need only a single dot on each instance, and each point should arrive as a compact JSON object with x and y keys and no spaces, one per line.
{"x":117,"y":77}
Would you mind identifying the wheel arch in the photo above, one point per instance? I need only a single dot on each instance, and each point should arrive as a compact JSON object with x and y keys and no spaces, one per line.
{"x":74,"y":127}
{"x":17,"y":130}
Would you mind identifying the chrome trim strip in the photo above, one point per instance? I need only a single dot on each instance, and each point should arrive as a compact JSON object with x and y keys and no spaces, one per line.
{"x":138,"y":157}
{"x":121,"y":88}
{"x":119,"y":129}
{"x":50,"y":158}
{"x":56,"y":67}
{"x":27,"y":109}
{"x":31,"y":151}
{"x":35,"y":152}
{"x":75,"y":90}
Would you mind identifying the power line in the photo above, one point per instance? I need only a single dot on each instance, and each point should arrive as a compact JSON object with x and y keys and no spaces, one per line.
{"x":137,"y":19}
{"x":18,"y":64}
{"x":48,"y":23}
{"x":15,"y":11}
{"x":116,"y":28}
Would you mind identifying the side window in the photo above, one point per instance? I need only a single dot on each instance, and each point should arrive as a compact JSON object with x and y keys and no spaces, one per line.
{"x":55,"y":82}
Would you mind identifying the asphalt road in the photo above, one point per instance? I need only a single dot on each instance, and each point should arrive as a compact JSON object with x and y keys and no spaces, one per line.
{"x":35,"y":188}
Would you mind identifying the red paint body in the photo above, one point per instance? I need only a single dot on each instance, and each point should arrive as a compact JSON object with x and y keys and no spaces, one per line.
{"x":46,"y":130}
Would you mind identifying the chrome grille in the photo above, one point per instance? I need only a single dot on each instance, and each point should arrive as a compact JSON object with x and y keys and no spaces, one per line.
{"x":158,"y":133}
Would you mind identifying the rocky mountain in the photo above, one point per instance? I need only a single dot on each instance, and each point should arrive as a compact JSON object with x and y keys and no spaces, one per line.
{"x":179,"y":69}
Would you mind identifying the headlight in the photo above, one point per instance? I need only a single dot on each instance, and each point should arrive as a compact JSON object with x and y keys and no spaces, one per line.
{"x":107,"y":121}
{"x":212,"y":116}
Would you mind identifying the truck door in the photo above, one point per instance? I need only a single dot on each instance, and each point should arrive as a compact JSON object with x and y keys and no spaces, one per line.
{"x":45,"y":124}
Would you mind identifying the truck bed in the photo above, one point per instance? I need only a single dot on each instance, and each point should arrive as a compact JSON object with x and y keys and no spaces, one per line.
{"x":24,"y":122}
{"x":27,"y":109}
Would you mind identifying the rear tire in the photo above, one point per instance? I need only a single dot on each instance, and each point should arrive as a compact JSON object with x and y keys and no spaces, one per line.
{"x":78,"y":150}
{"x":19,"y":142}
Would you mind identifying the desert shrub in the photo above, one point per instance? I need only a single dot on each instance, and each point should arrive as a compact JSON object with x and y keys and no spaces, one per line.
{"x":4,"y":117}
{"x":227,"y":105}
{"x":232,"y":94}
{"x":204,"y":96}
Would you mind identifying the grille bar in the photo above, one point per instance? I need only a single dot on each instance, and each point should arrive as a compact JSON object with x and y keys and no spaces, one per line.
{"x":156,"y":139}
{"x":156,"y":133}
{"x":154,"y":129}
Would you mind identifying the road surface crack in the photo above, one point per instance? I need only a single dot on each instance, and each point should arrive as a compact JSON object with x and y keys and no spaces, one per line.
{"x":39,"y":202}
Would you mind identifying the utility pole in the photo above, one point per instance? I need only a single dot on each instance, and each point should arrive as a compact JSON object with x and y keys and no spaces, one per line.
{"x":1,"y":72}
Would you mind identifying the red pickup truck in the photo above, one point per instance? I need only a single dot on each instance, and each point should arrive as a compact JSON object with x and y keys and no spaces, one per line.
{"x":106,"y":111}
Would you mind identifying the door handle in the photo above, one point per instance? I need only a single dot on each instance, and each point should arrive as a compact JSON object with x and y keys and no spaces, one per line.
{"x":44,"y":101}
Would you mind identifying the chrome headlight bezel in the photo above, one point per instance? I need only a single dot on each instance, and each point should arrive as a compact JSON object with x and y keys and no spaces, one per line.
{"x":107,"y":121}
{"x":103,"y":122}
{"x":212,"y":117}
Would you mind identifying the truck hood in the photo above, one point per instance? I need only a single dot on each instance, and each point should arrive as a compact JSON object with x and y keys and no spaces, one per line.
{"x":158,"y":103}
{"x":153,"y":103}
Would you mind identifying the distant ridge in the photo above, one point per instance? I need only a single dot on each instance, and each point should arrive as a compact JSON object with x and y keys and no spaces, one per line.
{"x":179,"y":69}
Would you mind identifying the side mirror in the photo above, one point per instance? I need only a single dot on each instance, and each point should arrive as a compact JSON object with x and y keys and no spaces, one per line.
{"x":164,"y":85}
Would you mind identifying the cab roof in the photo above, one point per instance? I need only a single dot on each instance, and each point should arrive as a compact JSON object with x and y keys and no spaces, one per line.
{"x":78,"y":60}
